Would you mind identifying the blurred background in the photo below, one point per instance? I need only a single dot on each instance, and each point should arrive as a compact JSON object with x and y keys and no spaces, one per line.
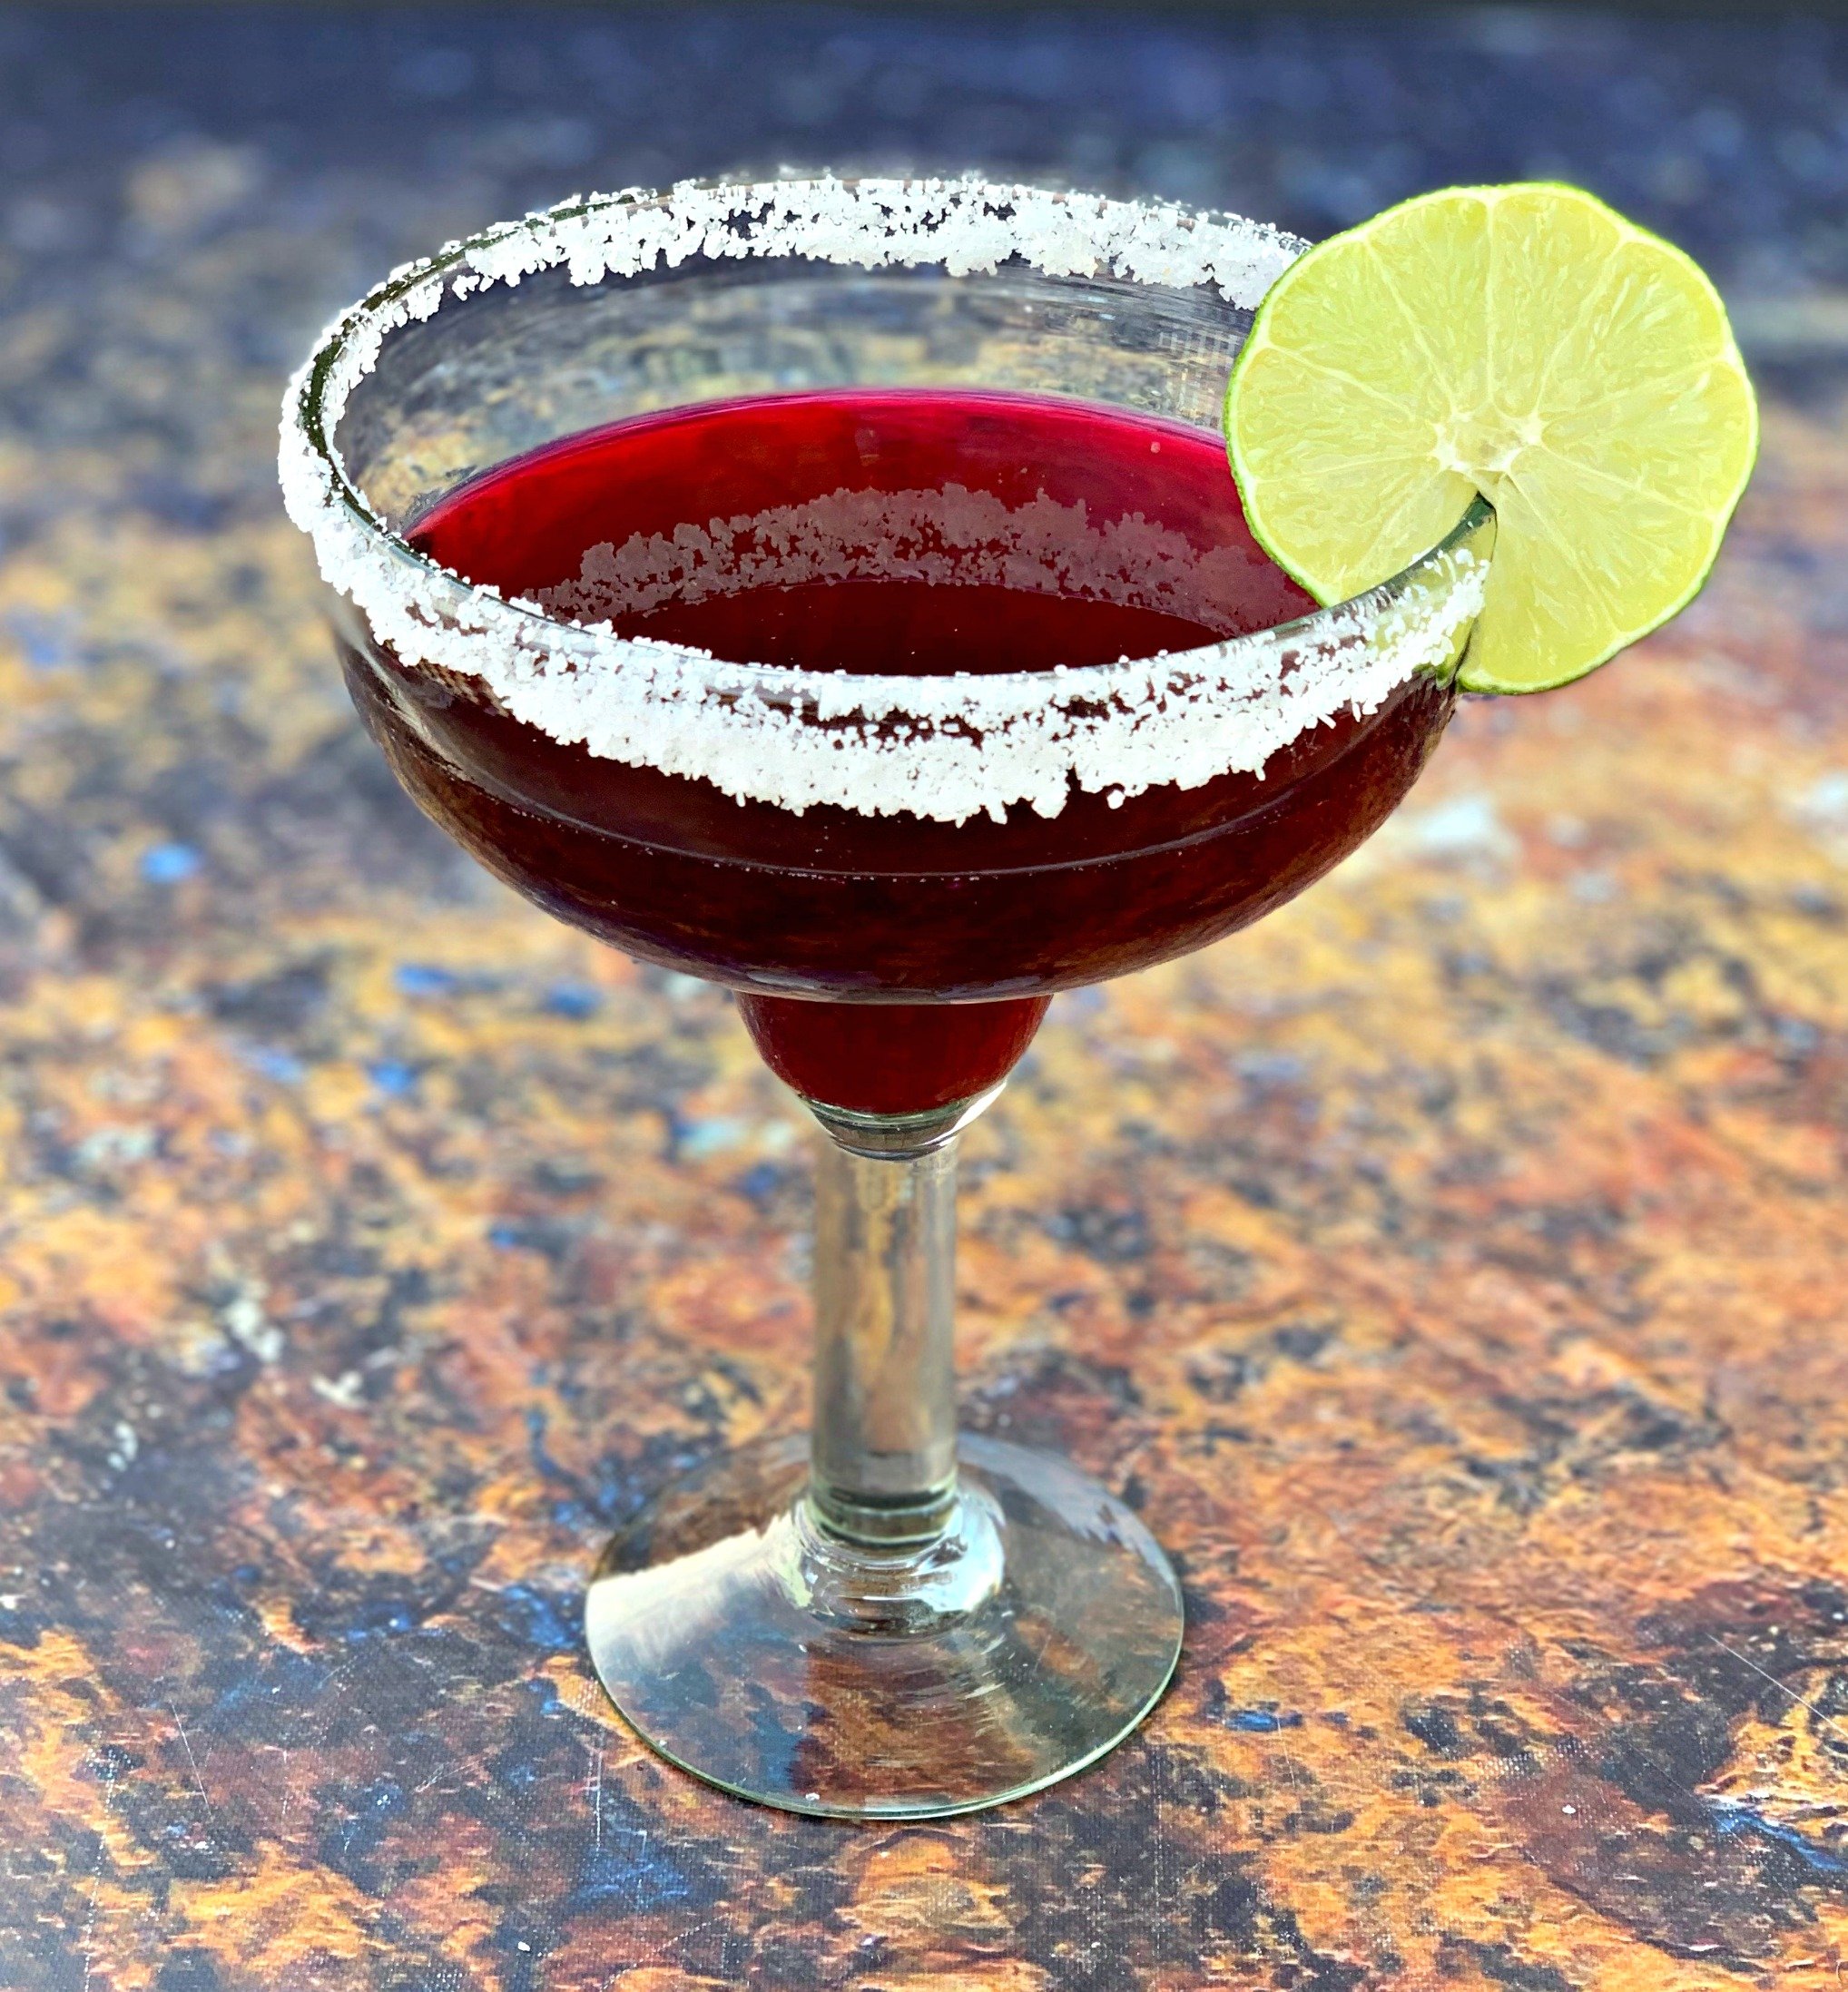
{"x":378,"y":1244}
{"x":186,"y":192}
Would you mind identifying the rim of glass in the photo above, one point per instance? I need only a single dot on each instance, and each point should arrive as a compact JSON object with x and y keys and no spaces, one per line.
{"x":1080,"y":236}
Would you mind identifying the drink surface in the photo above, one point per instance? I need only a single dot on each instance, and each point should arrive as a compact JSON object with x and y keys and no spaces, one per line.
{"x":915,"y":531}
{"x":925,"y":609}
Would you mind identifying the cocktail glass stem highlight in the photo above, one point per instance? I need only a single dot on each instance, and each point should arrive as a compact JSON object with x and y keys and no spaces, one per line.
{"x":884,"y":1444}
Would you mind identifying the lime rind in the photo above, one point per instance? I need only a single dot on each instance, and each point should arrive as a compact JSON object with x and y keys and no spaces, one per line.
{"x":1527,"y":343}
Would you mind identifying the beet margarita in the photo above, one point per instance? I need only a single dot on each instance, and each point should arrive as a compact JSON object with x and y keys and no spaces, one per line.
{"x":838,"y":590}
{"x":881,"y":533}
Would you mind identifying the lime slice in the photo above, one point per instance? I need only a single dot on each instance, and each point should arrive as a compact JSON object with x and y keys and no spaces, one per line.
{"x":1525,"y":342}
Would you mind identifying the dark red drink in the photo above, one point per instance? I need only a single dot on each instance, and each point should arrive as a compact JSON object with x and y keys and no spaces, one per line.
{"x":898,"y":909}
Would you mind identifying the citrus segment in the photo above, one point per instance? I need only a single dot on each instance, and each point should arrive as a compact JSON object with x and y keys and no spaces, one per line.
{"x":1525,"y":342}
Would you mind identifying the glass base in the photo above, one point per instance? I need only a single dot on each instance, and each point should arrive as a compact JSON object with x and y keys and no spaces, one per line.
{"x":750,"y":1645}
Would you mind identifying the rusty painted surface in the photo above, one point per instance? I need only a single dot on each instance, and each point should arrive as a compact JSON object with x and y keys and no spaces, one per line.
{"x":1451,"y":1271}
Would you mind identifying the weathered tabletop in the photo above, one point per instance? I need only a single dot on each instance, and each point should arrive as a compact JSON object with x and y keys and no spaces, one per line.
{"x":1452,"y":1271}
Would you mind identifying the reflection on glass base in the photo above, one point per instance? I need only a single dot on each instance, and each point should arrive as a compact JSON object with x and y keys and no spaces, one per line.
{"x":750,"y":1647}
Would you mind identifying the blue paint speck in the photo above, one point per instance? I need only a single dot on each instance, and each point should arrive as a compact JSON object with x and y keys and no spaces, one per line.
{"x":699,"y":1139}
{"x":423,"y":979}
{"x":545,"y":1620}
{"x":544,"y":1692}
{"x":1272,"y":1068}
{"x":282,"y":1066}
{"x":1262,"y":1722}
{"x":760,"y":1183}
{"x":624,"y":1871}
{"x":542,"y":1457}
{"x":167,"y":864}
{"x":46,"y":644}
{"x":297,"y":1679}
{"x":392,"y":1077}
{"x":1732,"y":1816}
{"x":380,"y":1617}
{"x":19,"y":1628}
{"x":574,"y":1000}
{"x":353,"y":1847}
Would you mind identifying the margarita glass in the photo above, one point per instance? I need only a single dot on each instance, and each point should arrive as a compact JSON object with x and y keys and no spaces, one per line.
{"x":836,"y":402}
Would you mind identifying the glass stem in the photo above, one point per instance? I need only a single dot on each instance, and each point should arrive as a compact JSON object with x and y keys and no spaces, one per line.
{"x":884,"y":1444}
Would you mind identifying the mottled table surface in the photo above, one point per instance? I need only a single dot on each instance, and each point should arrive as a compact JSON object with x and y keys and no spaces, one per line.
{"x":1451,"y":1271}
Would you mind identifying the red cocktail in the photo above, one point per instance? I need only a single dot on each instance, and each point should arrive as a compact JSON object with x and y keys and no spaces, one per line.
{"x":838,"y":590}
{"x":923,"y":532}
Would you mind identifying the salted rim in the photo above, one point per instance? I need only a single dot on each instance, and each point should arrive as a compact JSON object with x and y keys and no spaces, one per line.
{"x":946,"y":748}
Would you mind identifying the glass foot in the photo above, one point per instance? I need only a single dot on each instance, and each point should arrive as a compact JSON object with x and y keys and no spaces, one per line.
{"x":750,"y":1647}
